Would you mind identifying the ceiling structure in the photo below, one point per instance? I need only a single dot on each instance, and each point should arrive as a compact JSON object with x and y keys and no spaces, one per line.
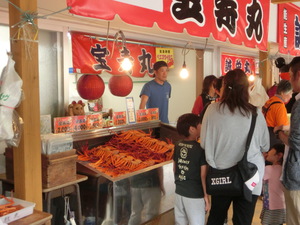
{"x":102,"y":27}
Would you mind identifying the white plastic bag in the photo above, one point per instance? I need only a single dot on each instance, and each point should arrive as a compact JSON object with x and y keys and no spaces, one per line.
{"x":10,"y":97}
{"x":258,"y":94}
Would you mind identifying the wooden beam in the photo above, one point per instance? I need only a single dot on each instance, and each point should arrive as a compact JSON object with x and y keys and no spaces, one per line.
{"x":265,"y":69}
{"x":283,"y":1}
{"x":199,"y":71}
{"x":27,"y":156}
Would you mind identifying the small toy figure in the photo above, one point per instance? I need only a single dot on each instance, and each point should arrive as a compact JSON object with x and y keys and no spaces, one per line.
{"x":76,"y":109}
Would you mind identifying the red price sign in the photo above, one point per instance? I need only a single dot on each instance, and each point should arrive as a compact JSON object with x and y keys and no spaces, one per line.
{"x":94,"y":121}
{"x":154,"y":113}
{"x":79,"y":123}
{"x":63,"y":124}
{"x":119,"y":118}
{"x":142,"y":115}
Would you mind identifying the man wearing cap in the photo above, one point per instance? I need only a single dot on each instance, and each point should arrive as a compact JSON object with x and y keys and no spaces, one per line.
{"x":156,"y":93}
{"x":291,"y":167}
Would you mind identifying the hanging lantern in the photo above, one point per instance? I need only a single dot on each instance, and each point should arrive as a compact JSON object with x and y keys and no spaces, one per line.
{"x":120,"y":85}
{"x":90,"y":87}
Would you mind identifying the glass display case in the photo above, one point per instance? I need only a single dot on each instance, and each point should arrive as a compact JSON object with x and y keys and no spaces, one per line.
{"x":132,"y":198}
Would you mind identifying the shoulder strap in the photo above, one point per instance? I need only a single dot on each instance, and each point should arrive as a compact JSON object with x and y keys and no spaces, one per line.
{"x":265,"y":110}
{"x":253,"y":121}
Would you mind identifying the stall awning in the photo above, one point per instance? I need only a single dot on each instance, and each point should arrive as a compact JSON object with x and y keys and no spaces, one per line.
{"x":239,"y":21}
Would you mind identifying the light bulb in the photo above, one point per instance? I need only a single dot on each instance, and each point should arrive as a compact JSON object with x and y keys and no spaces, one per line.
{"x":184,"y":73}
{"x":126,"y":64}
{"x":251,"y":78}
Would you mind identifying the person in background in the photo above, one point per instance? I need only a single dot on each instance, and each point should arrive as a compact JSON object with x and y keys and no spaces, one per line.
{"x":224,"y":132}
{"x":273,"y":211}
{"x":291,"y":166}
{"x":274,"y":109}
{"x":190,"y":168}
{"x":207,"y":96}
{"x":218,"y":85}
{"x":156,"y":93}
{"x":290,"y":104}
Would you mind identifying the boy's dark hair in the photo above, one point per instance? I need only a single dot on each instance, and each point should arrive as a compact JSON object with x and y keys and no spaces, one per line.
{"x":279,"y":148}
{"x":186,"y":121}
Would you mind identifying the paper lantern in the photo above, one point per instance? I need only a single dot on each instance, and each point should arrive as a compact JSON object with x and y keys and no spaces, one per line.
{"x":90,"y":87}
{"x":120,"y":85}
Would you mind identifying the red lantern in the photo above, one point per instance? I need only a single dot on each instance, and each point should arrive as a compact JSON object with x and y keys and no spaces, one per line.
{"x":90,"y":87}
{"x":120,"y":85}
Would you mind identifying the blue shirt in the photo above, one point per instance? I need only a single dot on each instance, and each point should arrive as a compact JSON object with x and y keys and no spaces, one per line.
{"x":158,"y":97}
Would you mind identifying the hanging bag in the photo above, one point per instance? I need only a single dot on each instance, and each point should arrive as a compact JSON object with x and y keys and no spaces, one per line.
{"x":237,"y":180}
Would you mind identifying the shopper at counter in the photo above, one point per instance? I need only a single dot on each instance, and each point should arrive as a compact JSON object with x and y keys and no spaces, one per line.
{"x":156,"y":93}
{"x":224,"y":132}
{"x":291,"y":166}
{"x":274,"y":109}
{"x":190,"y":168}
{"x":207,"y":96}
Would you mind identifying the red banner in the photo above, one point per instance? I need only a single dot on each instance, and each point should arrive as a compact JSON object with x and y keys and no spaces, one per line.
{"x":232,"y":61}
{"x":288,"y":29}
{"x":240,"y":21}
{"x":94,"y":56}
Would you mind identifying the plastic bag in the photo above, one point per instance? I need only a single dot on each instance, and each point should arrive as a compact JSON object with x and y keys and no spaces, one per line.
{"x":10,"y":98}
{"x":258,"y":94}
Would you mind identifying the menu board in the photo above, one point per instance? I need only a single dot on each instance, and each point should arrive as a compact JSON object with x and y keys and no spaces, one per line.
{"x":130,"y":110}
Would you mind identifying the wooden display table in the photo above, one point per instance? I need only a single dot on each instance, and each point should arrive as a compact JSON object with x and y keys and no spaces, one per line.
{"x":57,"y":191}
{"x":37,"y":218}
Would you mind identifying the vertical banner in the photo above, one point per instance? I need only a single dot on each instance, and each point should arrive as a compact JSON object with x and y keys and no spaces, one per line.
{"x":232,"y":61}
{"x":288,"y":32}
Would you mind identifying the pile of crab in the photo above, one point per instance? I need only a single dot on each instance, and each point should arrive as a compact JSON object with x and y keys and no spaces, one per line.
{"x":127,"y":152}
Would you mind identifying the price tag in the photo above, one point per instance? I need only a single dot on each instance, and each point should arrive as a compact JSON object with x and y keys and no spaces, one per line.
{"x":119,"y":118}
{"x":63,"y":124}
{"x":142,"y":115}
{"x":79,"y":123}
{"x":154,"y":113}
{"x":94,"y":121}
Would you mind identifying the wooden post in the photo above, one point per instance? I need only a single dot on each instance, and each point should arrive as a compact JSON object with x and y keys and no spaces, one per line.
{"x":265,"y":69}
{"x":199,"y":71}
{"x":27,"y":156}
{"x":265,"y":66}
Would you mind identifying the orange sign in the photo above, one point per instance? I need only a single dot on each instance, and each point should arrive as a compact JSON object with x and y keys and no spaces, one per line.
{"x":119,"y":118}
{"x":94,"y":121}
{"x":63,"y":124}
{"x":154,"y":114}
{"x":142,"y":115}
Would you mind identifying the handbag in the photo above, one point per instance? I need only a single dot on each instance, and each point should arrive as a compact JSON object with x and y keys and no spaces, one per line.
{"x":231,"y":181}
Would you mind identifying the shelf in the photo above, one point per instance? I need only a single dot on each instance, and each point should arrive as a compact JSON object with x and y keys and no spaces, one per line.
{"x":90,"y":134}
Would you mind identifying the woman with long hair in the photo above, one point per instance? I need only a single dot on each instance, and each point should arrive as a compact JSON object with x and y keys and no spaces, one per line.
{"x":224,"y":132}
